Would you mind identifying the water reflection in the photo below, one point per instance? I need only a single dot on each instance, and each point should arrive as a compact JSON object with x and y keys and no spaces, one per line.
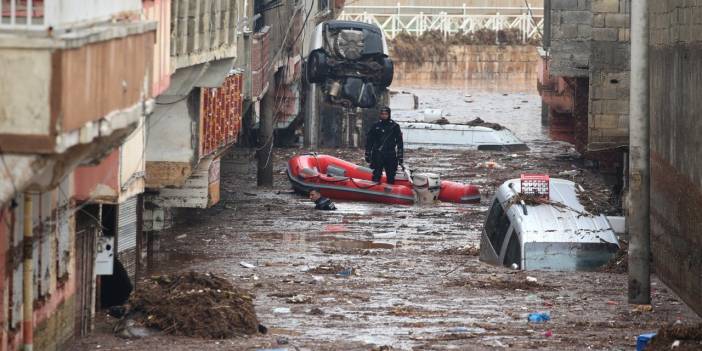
{"x":513,"y":104}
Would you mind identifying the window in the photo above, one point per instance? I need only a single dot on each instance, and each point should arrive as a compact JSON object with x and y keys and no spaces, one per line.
{"x":497,"y":225}
{"x":513,"y":253}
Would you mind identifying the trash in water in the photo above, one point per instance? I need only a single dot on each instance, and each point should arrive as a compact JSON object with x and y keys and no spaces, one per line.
{"x":675,"y":344}
{"x":571,"y":173}
{"x":246,"y":264}
{"x":281,"y":310}
{"x":345,"y":273}
{"x":335,"y":228}
{"x":282,"y":340}
{"x":459,"y":330}
{"x":531,"y":279}
{"x":300,"y":299}
{"x":642,"y":308}
{"x":643,"y":340}
{"x":387,"y":235}
{"x":539,"y":317}
{"x":548,"y":333}
{"x":183,"y":236}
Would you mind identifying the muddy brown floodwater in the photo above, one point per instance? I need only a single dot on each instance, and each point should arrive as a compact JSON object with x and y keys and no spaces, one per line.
{"x":407,"y":277}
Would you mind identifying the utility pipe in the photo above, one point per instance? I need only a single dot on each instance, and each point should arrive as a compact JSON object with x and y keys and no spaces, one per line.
{"x":638,"y":210}
{"x":28,"y":277}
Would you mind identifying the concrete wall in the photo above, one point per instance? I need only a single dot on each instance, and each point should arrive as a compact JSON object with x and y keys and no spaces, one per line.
{"x":676,"y":165}
{"x":467,"y":62}
{"x":609,"y":75}
{"x":571,"y":35}
{"x":202,"y":31}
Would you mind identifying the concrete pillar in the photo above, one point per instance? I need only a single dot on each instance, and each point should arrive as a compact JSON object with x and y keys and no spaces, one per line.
{"x":311,"y":118}
{"x":264,"y":152}
{"x":638,"y":211}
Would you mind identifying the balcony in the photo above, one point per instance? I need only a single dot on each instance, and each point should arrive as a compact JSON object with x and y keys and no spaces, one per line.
{"x":203,"y":31}
{"x":82,"y":77}
{"x":58,"y":15}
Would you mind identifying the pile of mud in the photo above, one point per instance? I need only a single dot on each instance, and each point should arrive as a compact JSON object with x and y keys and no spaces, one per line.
{"x":194,"y":304}
{"x":689,"y":337}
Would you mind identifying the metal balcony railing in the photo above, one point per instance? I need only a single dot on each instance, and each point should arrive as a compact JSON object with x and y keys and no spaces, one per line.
{"x":448,"y":20}
{"x":44,"y":14}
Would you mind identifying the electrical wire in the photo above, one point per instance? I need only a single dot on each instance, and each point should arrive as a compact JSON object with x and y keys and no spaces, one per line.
{"x":270,"y":142}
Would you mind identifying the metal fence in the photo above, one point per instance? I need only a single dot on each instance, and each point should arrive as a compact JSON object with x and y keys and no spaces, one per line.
{"x":417,"y":20}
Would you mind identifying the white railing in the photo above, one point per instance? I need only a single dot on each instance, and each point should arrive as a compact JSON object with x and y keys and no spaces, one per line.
{"x":57,"y":14}
{"x":417,"y":20}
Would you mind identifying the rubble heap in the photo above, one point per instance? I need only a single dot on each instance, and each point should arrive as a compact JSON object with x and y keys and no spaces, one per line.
{"x":194,"y":304}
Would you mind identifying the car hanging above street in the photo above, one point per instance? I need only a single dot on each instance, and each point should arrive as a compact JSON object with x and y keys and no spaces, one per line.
{"x":349,"y":62}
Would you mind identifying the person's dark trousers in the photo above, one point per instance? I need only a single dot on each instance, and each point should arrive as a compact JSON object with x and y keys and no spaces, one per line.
{"x":387,"y":163}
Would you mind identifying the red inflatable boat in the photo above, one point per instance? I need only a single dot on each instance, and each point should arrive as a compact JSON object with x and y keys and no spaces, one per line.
{"x":339,"y":179}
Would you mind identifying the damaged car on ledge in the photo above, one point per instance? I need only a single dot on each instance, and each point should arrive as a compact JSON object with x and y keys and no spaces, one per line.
{"x":349,"y":62}
{"x":347,"y":71}
{"x":545,"y":230}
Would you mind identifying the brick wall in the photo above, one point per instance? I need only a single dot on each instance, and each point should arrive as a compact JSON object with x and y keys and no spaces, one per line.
{"x":609,"y":75}
{"x":675,"y":53}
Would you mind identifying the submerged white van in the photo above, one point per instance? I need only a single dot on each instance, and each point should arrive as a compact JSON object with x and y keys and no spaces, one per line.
{"x":559,"y":235}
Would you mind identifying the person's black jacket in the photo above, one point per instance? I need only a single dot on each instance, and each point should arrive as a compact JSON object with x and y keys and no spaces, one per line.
{"x":384,"y":138}
{"x":324,"y":204}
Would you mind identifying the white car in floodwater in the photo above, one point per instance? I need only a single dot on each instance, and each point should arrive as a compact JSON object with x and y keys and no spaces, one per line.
{"x":558,"y":236}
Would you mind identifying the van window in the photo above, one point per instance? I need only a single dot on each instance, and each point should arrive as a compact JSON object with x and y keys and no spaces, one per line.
{"x":513,"y":253}
{"x":496,"y":225}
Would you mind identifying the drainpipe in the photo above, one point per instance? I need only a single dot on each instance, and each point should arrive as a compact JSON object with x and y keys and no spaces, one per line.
{"x":28,"y":281}
{"x":639,"y":160}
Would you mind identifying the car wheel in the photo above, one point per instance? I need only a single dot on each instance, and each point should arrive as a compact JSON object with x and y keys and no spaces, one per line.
{"x":317,"y":67}
{"x":387,"y":72}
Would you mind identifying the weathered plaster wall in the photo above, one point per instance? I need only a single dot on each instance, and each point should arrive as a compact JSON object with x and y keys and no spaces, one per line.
{"x":676,"y":166}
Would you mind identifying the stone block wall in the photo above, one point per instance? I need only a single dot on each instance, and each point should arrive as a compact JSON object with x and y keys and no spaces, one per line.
{"x":471,"y":62}
{"x":675,"y":52}
{"x":608,"y":119}
{"x":571,"y":35}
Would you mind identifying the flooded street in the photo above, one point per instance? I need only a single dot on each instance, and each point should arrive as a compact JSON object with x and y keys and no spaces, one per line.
{"x":381,"y":277}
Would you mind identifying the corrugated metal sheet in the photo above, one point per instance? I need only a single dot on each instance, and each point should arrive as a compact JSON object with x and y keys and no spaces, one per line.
{"x":16,"y":298}
{"x":221,"y":111}
{"x":45,"y":243}
{"x":127,"y":235}
{"x":127,"y":226}
{"x":64,"y":237}
{"x":16,"y":262}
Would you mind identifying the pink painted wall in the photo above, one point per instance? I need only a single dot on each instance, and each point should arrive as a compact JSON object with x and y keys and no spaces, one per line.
{"x":87,"y":179}
{"x":160,"y":11}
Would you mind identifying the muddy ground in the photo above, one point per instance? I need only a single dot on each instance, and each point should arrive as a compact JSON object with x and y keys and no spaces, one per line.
{"x":410,"y":275}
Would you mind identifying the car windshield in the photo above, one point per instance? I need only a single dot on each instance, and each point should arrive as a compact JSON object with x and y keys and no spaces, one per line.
{"x":552,"y":256}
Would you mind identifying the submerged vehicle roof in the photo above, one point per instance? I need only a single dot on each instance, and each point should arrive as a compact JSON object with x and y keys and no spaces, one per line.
{"x":563,"y":219}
